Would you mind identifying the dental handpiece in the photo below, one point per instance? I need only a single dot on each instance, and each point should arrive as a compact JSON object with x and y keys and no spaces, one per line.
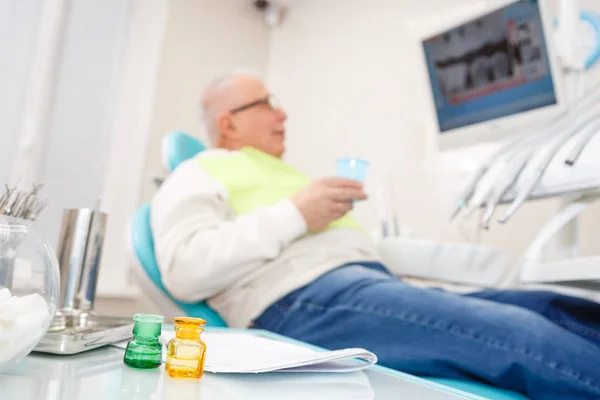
{"x":588,"y":133}
{"x":485,"y":187}
{"x":468,"y":191}
{"x":507,"y":180}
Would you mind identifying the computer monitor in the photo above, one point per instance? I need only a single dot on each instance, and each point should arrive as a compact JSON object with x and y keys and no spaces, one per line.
{"x":492,"y":73}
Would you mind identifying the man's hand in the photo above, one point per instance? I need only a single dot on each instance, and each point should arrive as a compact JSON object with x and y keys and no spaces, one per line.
{"x":327,"y":200}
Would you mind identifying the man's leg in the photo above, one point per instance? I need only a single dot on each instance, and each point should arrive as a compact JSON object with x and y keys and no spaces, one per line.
{"x":577,"y":315}
{"x":435,"y":333}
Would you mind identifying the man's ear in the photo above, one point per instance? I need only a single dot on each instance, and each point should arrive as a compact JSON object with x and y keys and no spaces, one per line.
{"x":225,"y":125}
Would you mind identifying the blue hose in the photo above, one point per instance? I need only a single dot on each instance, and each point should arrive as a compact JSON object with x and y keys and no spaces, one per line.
{"x":594,"y":20}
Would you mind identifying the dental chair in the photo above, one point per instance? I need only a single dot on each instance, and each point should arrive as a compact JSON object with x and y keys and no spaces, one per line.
{"x":178,"y":147}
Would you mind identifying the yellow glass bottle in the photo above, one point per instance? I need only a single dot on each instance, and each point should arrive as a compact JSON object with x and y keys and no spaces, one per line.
{"x":186,"y":351}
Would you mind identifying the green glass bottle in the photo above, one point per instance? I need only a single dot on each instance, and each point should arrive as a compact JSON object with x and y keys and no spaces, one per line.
{"x":145,"y":350}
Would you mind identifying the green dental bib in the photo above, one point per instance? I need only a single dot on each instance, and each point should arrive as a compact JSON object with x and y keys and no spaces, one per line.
{"x":255,"y":179}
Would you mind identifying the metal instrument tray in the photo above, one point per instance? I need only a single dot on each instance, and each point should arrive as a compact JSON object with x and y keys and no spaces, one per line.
{"x":98,"y":331}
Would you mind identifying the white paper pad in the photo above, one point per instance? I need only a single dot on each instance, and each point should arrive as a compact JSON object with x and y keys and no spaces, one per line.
{"x":248,"y":352}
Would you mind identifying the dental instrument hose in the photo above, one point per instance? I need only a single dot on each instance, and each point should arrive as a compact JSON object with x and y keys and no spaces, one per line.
{"x":469,"y":190}
{"x":542,"y":165}
{"x":480,"y":193}
{"x":562,"y":119}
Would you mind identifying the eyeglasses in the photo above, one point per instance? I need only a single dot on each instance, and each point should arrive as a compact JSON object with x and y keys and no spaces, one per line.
{"x":270,"y":101}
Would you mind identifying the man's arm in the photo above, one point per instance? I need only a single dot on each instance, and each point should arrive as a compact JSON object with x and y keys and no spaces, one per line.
{"x":201,"y":246}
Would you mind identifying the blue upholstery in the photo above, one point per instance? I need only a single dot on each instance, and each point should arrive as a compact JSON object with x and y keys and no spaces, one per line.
{"x":180,"y":146}
{"x":143,"y":246}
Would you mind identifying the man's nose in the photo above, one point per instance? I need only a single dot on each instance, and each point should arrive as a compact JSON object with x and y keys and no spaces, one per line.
{"x":281,"y":115}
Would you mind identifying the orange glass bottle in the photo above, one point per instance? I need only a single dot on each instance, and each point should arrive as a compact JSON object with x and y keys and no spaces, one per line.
{"x":186,"y":351}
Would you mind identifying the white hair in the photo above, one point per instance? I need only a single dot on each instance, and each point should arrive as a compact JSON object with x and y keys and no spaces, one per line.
{"x":210,"y":106}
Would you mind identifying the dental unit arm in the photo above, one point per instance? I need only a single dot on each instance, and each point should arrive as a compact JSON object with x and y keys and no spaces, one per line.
{"x":525,"y":165}
{"x":512,"y":174}
{"x":572,"y":66}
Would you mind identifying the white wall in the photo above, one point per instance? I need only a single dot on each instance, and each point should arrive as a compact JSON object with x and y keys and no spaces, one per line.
{"x":204,"y":38}
{"x":18,"y":30}
{"x":350,"y":77}
{"x":88,"y":75}
{"x":62,"y":71}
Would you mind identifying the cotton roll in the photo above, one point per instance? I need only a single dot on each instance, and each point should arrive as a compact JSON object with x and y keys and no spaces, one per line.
{"x":4,"y":294}
{"x":22,"y":322}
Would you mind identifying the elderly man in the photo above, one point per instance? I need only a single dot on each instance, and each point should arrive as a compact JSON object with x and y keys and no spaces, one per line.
{"x":270,"y":249}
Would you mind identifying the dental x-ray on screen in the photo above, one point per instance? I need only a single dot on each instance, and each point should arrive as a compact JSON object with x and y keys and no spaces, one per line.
{"x":491,"y":67}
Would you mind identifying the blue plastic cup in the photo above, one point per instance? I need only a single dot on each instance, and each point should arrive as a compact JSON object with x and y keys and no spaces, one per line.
{"x":352,"y":168}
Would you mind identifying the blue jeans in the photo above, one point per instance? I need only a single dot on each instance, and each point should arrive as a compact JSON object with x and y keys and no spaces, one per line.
{"x":539,"y":343}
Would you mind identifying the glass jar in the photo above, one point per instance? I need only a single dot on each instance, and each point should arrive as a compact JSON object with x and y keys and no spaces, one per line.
{"x":29,"y":288}
{"x":144,"y":351}
{"x":186,"y":352}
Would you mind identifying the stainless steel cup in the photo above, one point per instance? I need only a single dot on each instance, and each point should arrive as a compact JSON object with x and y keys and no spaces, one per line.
{"x":79,"y":253}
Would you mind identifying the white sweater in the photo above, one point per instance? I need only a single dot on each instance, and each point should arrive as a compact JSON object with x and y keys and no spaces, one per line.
{"x":240,"y":264}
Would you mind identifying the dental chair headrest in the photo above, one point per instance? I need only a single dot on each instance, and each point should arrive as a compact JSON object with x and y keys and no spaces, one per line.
{"x":177,"y":147}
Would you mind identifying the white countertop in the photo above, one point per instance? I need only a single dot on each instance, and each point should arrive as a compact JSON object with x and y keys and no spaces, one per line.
{"x":101,"y":374}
